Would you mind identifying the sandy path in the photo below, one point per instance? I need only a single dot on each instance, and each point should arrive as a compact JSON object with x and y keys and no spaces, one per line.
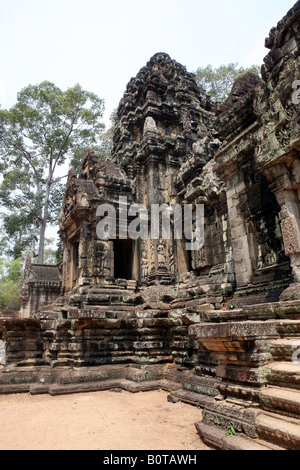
{"x":97,"y":421}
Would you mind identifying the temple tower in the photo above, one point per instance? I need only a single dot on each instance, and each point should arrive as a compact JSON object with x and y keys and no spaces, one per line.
{"x":162,"y":120}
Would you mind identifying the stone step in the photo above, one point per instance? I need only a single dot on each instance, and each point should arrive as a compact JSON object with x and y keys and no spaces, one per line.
{"x":286,"y":374}
{"x":283,"y":348}
{"x":128,"y":385}
{"x":192,"y":398}
{"x":202,"y":385}
{"x":281,"y":431}
{"x":281,"y":399}
{"x":216,"y":438}
{"x":102,"y":386}
{"x":14,"y":388}
{"x":38,"y":389}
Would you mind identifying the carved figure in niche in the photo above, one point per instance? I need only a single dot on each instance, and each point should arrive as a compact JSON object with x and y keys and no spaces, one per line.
{"x":199,"y":258}
{"x":150,"y":126}
{"x":145,"y":265}
{"x":161,"y":256}
{"x":171,"y":258}
{"x":103,"y":249}
{"x":260,"y":260}
{"x":152,"y":262}
{"x":151,"y":95}
{"x":155,"y":70}
{"x":187,"y":127}
{"x":271,"y":258}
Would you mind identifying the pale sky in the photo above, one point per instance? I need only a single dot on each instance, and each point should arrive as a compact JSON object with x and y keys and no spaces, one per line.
{"x":102,"y":44}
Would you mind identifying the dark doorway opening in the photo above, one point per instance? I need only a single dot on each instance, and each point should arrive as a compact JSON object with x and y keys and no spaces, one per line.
{"x":75,"y":262}
{"x":189,"y":260}
{"x":123,"y":259}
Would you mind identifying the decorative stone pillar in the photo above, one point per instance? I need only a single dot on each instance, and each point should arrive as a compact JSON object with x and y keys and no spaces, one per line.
{"x":288,"y":199}
{"x":155,"y":169}
{"x":290,"y":222}
{"x":2,"y":353}
{"x":235,"y":191}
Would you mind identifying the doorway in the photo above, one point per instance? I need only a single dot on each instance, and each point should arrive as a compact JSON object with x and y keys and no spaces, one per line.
{"x":123,"y":259}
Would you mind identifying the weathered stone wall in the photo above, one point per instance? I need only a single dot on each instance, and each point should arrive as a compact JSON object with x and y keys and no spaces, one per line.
{"x":257,"y":377}
{"x":255,"y":345}
{"x":140,"y":337}
{"x":41,"y":286}
{"x":169,"y":148}
{"x":40,"y":294}
{"x":2,"y":353}
{"x":215,"y":327}
{"x":260,"y":262}
{"x":162,"y":121}
{"x":278,"y":145}
{"x":87,"y":260}
{"x":9,"y":314}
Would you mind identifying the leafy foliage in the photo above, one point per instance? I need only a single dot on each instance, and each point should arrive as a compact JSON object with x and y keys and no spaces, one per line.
{"x":218,"y":81}
{"x":231,"y":432}
{"x":104,"y":150}
{"x":38,"y":136}
{"x":10,"y":277}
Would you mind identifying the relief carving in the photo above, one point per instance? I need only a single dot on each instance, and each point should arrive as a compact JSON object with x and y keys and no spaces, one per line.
{"x":290,"y":232}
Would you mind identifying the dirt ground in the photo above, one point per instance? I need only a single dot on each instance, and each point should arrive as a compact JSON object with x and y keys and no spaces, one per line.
{"x":98,"y":421}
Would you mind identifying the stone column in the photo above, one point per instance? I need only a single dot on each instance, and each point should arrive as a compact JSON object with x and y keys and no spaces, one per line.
{"x":290,"y":224}
{"x":287,"y":196}
{"x":154,"y":173}
{"x":236,"y":195}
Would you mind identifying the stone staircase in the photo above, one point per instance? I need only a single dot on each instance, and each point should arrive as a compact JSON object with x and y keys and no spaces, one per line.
{"x":279,"y":430}
{"x":217,"y":439}
{"x":280,"y":422}
{"x":281,"y":400}
{"x":237,"y":365}
{"x":260,"y":403}
{"x":196,"y":390}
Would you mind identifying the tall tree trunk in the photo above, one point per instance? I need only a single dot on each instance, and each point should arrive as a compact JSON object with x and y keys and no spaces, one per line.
{"x":43,"y":223}
{"x":42,"y":241}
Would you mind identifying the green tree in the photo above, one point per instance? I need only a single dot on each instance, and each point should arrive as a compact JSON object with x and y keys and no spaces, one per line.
{"x":218,"y":82}
{"x":11,"y":272}
{"x":38,"y":136}
{"x":20,"y":234}
{"x":104,"y":150}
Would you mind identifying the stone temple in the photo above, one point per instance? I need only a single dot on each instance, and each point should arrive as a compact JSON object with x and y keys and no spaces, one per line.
{"x":217,"y":327}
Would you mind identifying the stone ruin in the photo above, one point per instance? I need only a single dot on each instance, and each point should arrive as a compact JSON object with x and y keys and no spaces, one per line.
{"x":41,"y":285}
{"x":219,"y":327}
